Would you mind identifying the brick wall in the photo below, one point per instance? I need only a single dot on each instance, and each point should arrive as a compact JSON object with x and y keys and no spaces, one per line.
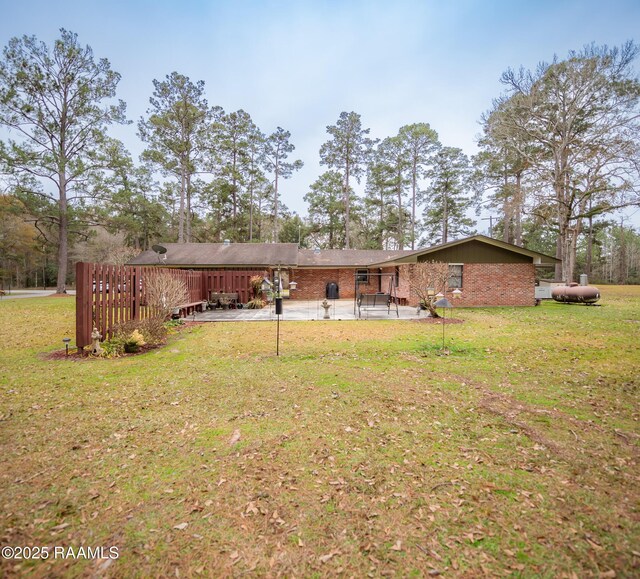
{"x":312,"y":283}
{"x":498,"y":284}
{"x":484,"y":284}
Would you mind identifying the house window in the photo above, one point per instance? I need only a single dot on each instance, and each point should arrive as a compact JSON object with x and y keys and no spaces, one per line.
{"x":455,"y":276}
{"x":362,"y":276}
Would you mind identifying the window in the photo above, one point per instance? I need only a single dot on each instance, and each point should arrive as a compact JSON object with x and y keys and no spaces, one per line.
{"x":455,"y":276}
{"x":362,"y":276}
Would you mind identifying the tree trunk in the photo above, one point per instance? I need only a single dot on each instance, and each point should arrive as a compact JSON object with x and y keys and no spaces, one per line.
{"x":188,"y":211}
{"x":63,"y":234}
{"x":517,"y":234}
{"x":400,"y":228}
{"x":589,"y":265}
{"x":181,"y":210}
{"x":445,"y":218}
{"x":275,"y":208}
{"x":251,"y":210}
{"x":506,"y":211}
{"x":347,"y":227}
{"x":413,"y":204}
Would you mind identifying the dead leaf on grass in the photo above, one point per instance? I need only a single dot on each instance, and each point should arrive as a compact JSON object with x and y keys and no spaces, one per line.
{"x":251,"y":508}
{"x":235,"y":437}
{"x":104,"y":565}
{"x":181,"y":526}
{"x":397,"y":546}
{"x":593,"y":544}
{"x":328,"y":556}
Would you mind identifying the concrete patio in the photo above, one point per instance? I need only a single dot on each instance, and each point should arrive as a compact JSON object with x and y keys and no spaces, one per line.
{"x":304,"y":310}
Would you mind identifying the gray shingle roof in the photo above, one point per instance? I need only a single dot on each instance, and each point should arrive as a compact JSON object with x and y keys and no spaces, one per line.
{"x":262,"y":255}
{"x":220,"y":254}
{"x":346,"y":257}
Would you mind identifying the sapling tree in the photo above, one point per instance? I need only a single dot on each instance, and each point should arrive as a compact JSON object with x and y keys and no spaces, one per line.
{"x":164,"y":292}
{"x":426,"y":280}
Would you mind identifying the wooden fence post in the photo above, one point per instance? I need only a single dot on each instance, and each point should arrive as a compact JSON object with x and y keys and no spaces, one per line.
{"x":84,"y":305}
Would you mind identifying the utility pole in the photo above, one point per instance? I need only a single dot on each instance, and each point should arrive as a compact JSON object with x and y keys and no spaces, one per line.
{"x":490,"y":220}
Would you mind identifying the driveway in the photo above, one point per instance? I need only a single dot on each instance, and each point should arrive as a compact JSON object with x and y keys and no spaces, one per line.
{"x":20,"y":293}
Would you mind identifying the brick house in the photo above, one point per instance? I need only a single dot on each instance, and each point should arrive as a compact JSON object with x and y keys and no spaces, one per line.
{"x":488,"y":271}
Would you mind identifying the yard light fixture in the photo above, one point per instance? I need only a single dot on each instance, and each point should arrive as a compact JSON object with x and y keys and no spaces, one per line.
{"x":457,"y":293}
{"x":293,"y":285}
{"x":66,"y":346}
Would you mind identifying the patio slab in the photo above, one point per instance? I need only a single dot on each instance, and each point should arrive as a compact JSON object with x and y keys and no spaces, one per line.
{"x":305,"y":310}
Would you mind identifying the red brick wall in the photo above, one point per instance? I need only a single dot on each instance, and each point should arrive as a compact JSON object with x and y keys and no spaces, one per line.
{"x":312,"y":283}
{"x":484,"y":284}
{"x":498,"y":284}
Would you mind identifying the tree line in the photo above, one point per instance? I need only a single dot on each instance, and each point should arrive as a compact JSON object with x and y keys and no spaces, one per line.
{"x":558,"y":154}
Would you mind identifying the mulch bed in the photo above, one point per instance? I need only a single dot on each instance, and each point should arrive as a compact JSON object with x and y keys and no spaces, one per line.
{"x":75,"y":356}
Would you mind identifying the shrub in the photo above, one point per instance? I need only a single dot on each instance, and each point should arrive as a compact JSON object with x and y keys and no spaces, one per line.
{"x":164,"y":292}
{"x":134,"y":342}
{"x":255,"y":282}
{"x":112,"y":348}
{"x":151,"y":331}
{"x":256,"y":304}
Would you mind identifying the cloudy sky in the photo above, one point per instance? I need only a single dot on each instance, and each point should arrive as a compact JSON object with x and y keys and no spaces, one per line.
{"x":298,"y":64}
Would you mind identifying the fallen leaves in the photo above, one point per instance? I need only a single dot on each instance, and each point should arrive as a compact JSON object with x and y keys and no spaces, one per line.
{"x":326,"y":558}
{"x":235,"y":437}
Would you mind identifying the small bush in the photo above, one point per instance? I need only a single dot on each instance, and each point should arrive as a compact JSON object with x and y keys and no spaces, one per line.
{"x":134,"y":342}
{"x":151,"y":331}
{"x":112,"y":348}
{"x":256,"y":304}
{"x":255,"y":282}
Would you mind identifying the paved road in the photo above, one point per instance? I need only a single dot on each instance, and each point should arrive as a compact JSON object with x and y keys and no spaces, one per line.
{"x":18,"y":294}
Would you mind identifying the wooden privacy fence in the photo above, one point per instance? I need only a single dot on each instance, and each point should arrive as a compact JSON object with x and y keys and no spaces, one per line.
{"x":109,"y":295}
{"x":230,"y":281}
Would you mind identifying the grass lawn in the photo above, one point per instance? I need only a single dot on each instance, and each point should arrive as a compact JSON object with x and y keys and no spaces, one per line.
{"x":359,"y":451}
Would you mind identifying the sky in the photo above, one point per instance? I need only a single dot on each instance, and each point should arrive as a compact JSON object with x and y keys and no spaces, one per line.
{"x":299,"y":64}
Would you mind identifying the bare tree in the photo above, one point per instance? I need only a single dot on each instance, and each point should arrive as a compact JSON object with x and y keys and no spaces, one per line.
{"x":426,"y":280}
{"x":579,"y":120}
{"x":164,"y":293}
